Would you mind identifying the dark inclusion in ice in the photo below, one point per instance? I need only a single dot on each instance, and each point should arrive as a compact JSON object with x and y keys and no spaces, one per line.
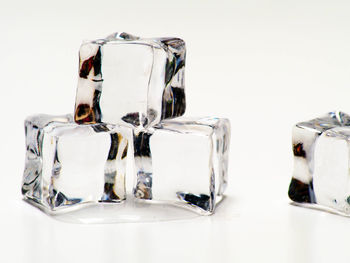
{"x":174,"y":100}
{"x":84,"y":114}
{"x":135,"y":119}
{"x":298,"y":150}
{"x":301,"y":192}
{"x":92,"y":64}
{"x":113,"y":151}
{"x":141,"y":145}
{"x":59,"y":199}
{"x":142,"y":154}
{"x":175,"y":106}
{"x":109,"y":194}
{"x":100,"y":128}
{"x":202,"y":200}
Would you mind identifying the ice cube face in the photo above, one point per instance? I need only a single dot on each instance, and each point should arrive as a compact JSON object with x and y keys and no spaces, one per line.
{"x":68,"y":164}
{"x":331,"y":180}
{"x":127,"y":79}
{"x":183,"y":162}
{"x":321,"y":160}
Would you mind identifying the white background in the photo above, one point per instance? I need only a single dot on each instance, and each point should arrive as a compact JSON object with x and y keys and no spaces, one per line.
{"x":263,"y":64}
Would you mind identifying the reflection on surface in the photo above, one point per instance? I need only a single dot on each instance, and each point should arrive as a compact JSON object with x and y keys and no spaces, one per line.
{"x":302,"y":231}
{"x":130,"y":211}
{"x":160,"y":230}
{"x":317,"y":236}
{"x":45,"y":237}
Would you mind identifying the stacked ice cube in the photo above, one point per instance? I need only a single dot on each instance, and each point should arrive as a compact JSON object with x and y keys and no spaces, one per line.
{"x":130,"y":99}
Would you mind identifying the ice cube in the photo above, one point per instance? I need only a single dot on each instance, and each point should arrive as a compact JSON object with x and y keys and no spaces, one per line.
{"x":313,"y":165}
{"x":127,"y":79}
{"x":183,"y":162}
{"x":68,"y":164}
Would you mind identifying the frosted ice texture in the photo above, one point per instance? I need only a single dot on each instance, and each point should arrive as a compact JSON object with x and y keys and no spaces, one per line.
{"x":127,"y":79}
{"x":321,"y":162}
{"x":183,"y":162}
{"x":68,"y":164}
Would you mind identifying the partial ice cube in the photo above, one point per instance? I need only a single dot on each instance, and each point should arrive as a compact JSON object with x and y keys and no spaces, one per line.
{"x":68,"y":164}
{"x":127,"y":79}
{"x":183,"y":162}
{"x":319,"y":148}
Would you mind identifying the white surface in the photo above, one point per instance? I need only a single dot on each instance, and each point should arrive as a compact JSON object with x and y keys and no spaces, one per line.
{"x":263,"y":64}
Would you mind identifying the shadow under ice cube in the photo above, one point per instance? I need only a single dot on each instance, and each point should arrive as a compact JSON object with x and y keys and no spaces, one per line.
{"x":127,"y":79}
{"x":183,"y":162}
{"x":68,"y":164}
{"x":321,"y":163}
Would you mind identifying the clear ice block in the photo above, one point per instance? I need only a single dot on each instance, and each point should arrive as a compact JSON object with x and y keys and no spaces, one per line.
{"x":127,"y":79}
{"x":319,"y":161}
{"x":183,"y":162}
{"x":68,"y":164}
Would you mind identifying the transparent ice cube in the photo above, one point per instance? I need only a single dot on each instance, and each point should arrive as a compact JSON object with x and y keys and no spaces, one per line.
{"x":68,"y":164}
{"x":331,"y":178}
{"x":127,"y":79}
{"x":312,"y":161}
{"x":183,"y":162}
